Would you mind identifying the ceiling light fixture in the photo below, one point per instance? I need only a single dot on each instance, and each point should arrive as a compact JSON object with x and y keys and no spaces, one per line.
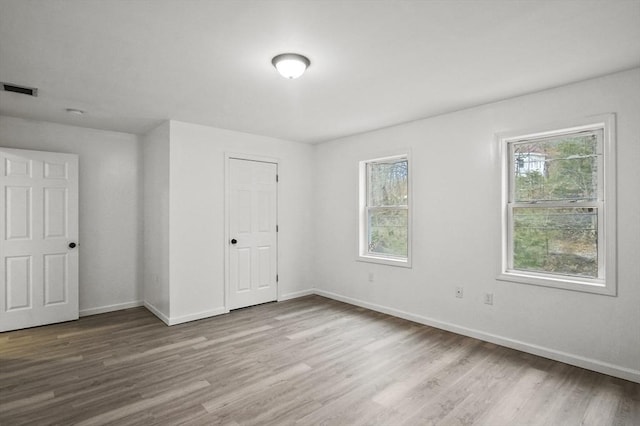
{"x":74,"y":111}
{"x":290,"y":65}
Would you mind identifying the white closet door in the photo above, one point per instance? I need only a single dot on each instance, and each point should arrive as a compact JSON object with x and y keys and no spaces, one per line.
{"x":252,"y":231}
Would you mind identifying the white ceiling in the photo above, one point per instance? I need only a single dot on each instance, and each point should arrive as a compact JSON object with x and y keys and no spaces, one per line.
{"x":131,"y":64}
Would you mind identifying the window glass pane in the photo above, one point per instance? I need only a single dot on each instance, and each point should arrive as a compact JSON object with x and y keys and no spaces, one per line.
{"x":556,"y":240}
{"x":387,"y":183}
{"x":562,"y":168}
{"x":388,"y":231}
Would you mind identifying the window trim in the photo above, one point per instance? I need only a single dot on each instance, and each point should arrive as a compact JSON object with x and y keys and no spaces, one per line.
{"x":363,"y":254}
{"x":606,"y":283}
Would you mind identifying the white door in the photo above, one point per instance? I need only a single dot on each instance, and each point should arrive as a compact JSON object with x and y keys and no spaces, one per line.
{"x":38,"y":238}
{"x":252,"y":233}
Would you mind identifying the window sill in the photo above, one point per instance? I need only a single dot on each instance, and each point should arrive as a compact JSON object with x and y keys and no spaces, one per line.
{"x":565,"y":283}
{"x":403,"y":263}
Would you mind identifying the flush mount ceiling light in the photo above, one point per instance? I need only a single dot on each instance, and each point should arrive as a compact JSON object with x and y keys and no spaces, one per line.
{"x":74,"y":111}
{"x":290,"y":65}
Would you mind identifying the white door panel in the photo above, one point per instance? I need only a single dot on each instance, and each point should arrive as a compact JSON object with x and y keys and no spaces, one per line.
{"x":252,"y":225}
{"x":39,"y":217}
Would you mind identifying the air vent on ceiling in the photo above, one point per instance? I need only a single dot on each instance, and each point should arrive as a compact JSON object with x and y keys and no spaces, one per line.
{"x":8,"y":87}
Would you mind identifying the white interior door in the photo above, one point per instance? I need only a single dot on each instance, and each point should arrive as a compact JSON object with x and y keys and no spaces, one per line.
{"x":252,"y":233}
{"x":39,"y":217}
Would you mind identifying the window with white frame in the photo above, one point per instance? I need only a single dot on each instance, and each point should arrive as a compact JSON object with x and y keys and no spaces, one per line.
{"x":384,"y":211}
{"x":559,"y":208}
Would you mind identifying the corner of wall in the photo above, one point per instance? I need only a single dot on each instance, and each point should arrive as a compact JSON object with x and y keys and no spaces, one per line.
{"x":155,"y":217}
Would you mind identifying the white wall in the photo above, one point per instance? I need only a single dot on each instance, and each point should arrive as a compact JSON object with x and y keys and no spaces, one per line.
{"x":456,"y":222}
{"x":185,"y":217}
{"x":156,"y":220}
{"x":110,"y":193}
{"x":197,"y":213}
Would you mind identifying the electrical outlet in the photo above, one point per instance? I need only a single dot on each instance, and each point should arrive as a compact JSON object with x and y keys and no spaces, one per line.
{"x":488,"y":298}
{"x":459,"y":292}
{"x":371,"y":277}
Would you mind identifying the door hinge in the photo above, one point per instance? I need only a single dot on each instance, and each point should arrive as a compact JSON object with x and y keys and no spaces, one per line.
{"x":276,"y":277}
{"x":277,"y":228}
{"x":277,"y":178}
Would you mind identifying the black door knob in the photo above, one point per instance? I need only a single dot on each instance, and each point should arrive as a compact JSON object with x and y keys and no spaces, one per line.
{"x":72,"y":245}
{"x":234,"y":241}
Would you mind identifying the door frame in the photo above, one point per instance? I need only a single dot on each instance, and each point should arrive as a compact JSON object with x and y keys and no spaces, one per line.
{"x":227,"y":258}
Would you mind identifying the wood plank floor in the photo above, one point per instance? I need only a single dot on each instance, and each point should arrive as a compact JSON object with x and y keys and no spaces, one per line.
{"x":306,"y":361}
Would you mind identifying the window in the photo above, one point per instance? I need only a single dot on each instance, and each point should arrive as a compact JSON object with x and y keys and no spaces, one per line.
{"x":384,"y":211}
{"x":558,"y":208}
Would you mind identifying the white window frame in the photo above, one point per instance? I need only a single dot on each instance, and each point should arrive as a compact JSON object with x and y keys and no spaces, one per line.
{"x":363,"y":247}
{"x":605,"y":283}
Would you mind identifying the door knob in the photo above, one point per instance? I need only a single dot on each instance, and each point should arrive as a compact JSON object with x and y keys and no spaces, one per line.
{"x":72,"y":245}
{"x":234,"y":241}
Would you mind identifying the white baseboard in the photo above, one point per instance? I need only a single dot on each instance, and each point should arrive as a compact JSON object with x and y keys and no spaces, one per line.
{"x":567,"y":358}
{"x":110,"y":308}
{"x":295,"y":295}
{"x":157,"y":312}
{"x":185,"y":318}
{"x":197,"y":316}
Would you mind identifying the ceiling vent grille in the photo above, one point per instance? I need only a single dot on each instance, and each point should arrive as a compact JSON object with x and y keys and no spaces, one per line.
{"x":30,"y":91}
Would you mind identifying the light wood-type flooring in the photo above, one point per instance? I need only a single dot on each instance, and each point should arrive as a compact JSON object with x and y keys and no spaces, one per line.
{"x":306,"y":361}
